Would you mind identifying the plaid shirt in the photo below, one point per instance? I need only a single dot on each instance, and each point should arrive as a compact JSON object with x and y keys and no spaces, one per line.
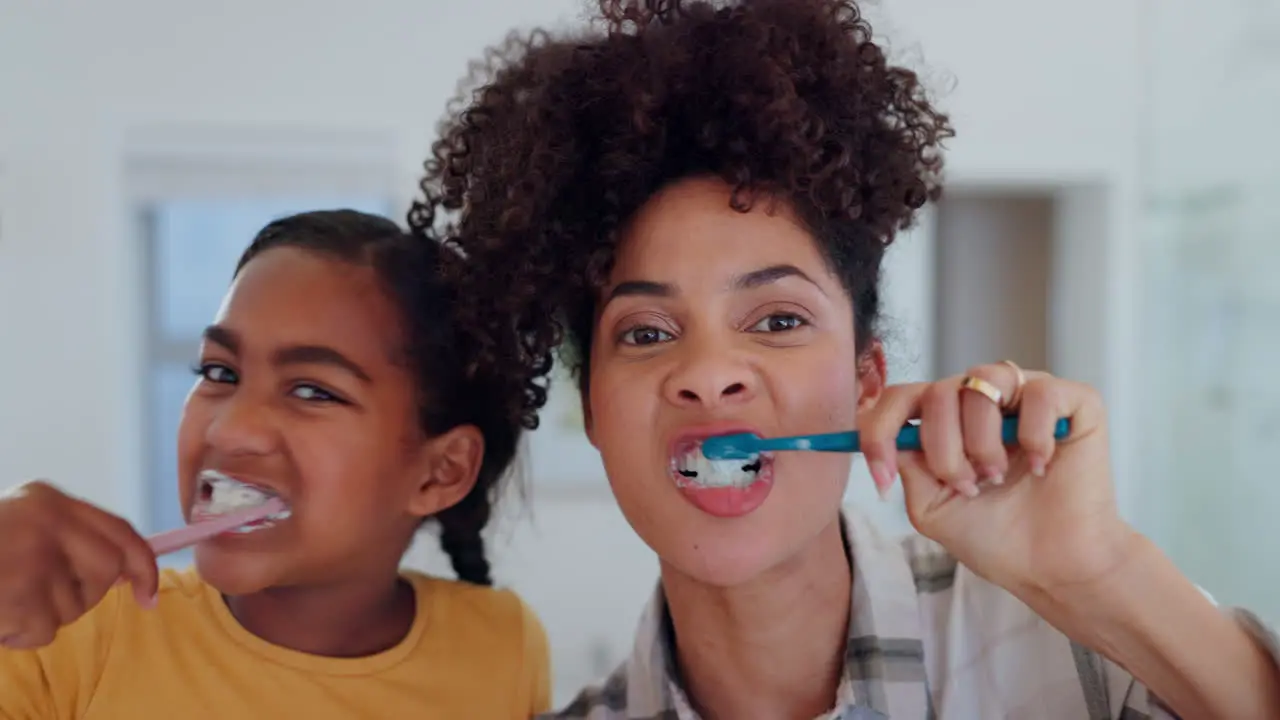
{"x":927,"y":639}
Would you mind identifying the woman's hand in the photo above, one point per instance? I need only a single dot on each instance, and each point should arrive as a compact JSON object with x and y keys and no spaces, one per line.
{"x":1039,"y":517}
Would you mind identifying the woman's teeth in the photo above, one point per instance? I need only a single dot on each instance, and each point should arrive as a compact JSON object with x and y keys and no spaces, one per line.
{"x":693,"y":468}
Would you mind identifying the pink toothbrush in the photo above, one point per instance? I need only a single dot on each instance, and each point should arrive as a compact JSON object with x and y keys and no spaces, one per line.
{"x":184,"y":537}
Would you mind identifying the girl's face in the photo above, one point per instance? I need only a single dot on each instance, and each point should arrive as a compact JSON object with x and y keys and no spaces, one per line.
{"x":302,"y":392}
{"x":718,"y":321}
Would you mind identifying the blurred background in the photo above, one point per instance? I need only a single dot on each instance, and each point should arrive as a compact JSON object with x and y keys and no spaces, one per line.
{"x":1111,"y":216}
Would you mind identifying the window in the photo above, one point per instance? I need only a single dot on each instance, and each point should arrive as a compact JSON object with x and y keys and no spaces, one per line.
{"x":191,"y":247}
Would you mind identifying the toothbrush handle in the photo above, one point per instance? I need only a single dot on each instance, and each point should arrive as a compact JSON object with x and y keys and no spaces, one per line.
{"x":829,"y":442}
{"x":909,"y":436}
{"x":174,"y":540}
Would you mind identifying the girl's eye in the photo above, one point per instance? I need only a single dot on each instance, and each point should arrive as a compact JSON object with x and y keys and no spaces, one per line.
{"x":311,"y":393}
{"x":222,"y":375}
{"x":645,"y":335}
{"x":215,"y":373}
{"x":778,"y":322}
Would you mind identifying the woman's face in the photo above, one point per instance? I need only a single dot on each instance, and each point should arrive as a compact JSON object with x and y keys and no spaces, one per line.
{"x":718,"y":321}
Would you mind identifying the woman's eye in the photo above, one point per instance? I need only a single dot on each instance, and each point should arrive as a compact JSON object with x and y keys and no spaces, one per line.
{"x":778,"y":322}
{"x":311,"y":393}
{"x":645,"y":336}
{"x":215,"y":373}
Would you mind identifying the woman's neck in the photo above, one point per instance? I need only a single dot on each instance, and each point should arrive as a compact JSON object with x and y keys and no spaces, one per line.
{"x":353,"y":619}
{"x":773,"y":648}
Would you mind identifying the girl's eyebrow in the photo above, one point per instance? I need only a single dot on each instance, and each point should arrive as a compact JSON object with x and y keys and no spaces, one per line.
{"x":291,"y":355}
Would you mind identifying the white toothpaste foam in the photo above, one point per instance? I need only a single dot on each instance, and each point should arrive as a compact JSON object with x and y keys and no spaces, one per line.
{"x":226,"y":494}
{"x":694,"y":468}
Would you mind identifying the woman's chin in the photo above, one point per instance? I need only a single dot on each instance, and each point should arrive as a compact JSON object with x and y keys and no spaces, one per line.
{"x":737,"y":552}
{"x":719,"y":562}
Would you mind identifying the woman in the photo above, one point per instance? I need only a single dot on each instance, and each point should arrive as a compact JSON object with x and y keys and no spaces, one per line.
{"x":698,"y":199}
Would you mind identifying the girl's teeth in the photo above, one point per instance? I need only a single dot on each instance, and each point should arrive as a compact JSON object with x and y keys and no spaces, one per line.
{"x":227,"y":494}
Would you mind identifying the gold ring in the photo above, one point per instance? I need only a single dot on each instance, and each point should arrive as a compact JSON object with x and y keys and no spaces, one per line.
{"x":983,"y":388}
{"x":1021,"y":380}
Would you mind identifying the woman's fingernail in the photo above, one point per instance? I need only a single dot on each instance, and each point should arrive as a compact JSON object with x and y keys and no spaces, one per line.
{"x":993,"y":475}
{"x":881,"y":477}
{"x":1038,"y":464}
{"x":968,"y":488}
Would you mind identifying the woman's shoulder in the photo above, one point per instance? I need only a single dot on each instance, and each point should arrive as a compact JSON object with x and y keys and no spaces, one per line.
{"x":963,"y":618}
{"x":898,"y":564}
{"x":932,"y":567}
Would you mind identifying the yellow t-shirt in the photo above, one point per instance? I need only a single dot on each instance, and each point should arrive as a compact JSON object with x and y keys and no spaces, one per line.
{"x":473,"y":652}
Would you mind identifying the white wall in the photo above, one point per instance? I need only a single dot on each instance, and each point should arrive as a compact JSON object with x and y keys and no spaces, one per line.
{"x":1211,"y":161}
{"x":80,"y":80}
{"x":1047,"y":95}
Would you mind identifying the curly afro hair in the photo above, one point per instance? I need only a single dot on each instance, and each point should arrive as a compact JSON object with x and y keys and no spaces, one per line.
{"x":565,"y":138}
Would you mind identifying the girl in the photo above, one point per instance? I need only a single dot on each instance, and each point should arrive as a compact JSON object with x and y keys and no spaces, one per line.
{"x":699,"y":198}
{"x":332,"y":378}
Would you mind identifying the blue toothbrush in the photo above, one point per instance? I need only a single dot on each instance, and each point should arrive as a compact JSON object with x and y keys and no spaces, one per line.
{"x":744,"y":446}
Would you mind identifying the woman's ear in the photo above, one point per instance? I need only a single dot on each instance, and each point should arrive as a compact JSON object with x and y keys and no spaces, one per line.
{"x":872,"y":375}
{"x":450,"y":468}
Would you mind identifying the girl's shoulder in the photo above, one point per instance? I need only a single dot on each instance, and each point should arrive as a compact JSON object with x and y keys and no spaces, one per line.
{"x":477,"y":609}
{"x":492,"y":630}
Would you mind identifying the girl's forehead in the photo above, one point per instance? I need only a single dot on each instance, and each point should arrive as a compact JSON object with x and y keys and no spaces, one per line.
{"x":293,"y":295}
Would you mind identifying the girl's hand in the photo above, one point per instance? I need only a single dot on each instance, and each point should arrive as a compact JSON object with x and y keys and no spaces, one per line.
{"x":58,"y":557}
